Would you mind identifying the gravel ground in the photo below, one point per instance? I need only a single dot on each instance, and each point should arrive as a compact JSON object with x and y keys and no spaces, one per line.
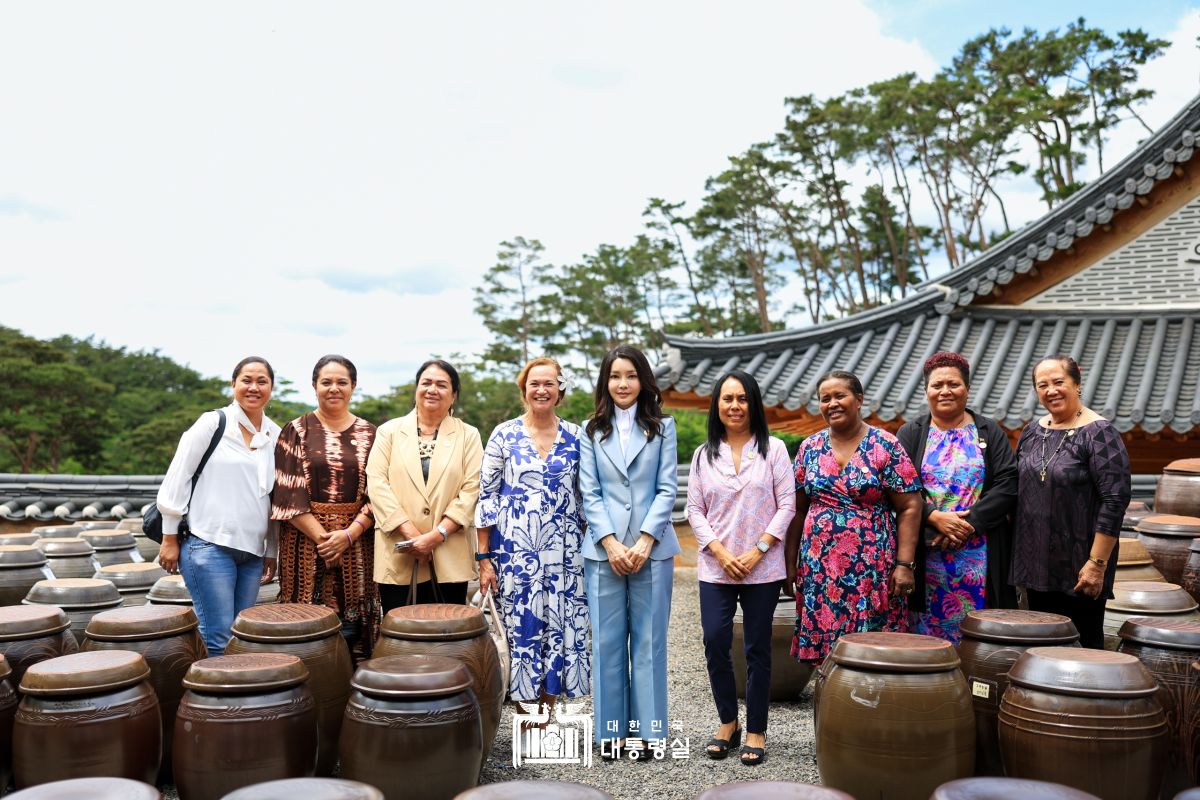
{"x":790,"y":754}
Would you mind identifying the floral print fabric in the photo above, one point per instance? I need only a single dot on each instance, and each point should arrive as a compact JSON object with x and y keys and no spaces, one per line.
{"x":535,"y":512}
{"x":952,"y":473}
{"x":848,"y":546}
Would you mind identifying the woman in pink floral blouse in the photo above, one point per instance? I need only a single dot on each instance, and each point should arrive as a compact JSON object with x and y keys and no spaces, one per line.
{"x":858,"y":503}
{"x":741,"y":497}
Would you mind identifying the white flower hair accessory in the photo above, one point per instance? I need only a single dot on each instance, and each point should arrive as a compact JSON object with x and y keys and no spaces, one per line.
{"x":566,"y":382}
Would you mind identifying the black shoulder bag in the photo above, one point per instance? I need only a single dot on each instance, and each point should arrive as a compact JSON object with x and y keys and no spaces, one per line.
{"x":152,"y":522}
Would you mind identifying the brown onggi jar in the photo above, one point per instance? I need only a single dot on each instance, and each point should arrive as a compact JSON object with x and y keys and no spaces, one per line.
{"x":133,"y":581}
{"x":307,"y":789}
{"x":69,"y":557}
{"x":112,"y":546}
{"x":21,"y":566}
{"x":788,"y":676}
{"x":1145,"y":599}
{"x":253,"y":715}
{"x":81,"y":598}
{"x":312,"y":633}
{"x":1167,"y":538}
{"x":29,"y":634}
{"x":90,"y":789}
{"x":1134,"y":563}
{"x":169,"y":591}
{"x":1178,"y":490}
{"x":770,"y":790}
{"x":87,"y":715}
{"x":8,"y":713}
{"x":1007,"y":789}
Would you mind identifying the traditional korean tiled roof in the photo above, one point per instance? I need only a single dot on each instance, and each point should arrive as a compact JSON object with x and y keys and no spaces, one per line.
{"x":74,"y":498}
{"x":1129,"y":318}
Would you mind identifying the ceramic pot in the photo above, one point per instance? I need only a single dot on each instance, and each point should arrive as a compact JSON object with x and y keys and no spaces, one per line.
{"x":87,"y":715}
{"x":410,"y":713}
{"x":81,"y":598}
{"x":444,"y":629}
{"x":69,"y":557}
{"x":57,"y":531}
{"x":1134,"y":563}
{"x":788,"y":676}
{"x":1145,"y":599}
{"x":1167,"y":538}
{"x":8,"y":713}
{"x":131,"y":524}
{"x":113,"y":546}
{"x":90,"y":789}
{"x":169,"y":591}
{"x":18,"y":538}
{"x":894,"y":704}
{"x":21,"y":566}
{"x":1167,"y":648}
{"x":1007,"y":789}
{"x":29,"y":634}
{"x":313,"y":633}
{"x":99,"y":525}
{"x":253,"y":715}
{"x":133,"y":580}
{"x":1178,"y":490}
{"x":768,"y":790}
{"x":169,"y":639}
{"x":1191,"y":725}
{"x":1089,"y":719}
{"x":1191,"y":571}
{"x":1135,"y":512}
{"x":308,"y":789}
{"x":992,"y":640}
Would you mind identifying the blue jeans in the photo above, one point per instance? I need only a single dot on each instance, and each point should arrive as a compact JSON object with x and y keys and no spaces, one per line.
{"x":223,"y":582}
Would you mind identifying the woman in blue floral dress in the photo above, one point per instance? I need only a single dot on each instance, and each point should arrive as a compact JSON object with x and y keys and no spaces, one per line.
{"x":852,"y":545}
{"x":530,"y":525}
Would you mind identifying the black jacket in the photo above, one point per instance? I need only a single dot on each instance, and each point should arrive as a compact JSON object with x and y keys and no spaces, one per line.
{"x":992,"y":514}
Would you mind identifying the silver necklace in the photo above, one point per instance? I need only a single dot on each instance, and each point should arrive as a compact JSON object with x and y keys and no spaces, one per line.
{"x":1046,"y":436}
{"x":425,"y":447}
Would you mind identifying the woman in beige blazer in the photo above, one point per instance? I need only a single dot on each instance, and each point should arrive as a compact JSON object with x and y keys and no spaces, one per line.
{"x":423,"y":481}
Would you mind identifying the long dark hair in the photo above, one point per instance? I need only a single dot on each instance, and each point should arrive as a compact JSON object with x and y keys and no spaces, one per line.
{"x":758,"y":415}
{"x":649,"y":399}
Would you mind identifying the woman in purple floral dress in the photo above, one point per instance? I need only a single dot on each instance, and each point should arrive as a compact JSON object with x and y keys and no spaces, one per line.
{"x":852,"y":545}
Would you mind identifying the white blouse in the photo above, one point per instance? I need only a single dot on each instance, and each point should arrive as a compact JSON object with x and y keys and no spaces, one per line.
{"x":228,"y":507}
{"x":626,"y":420}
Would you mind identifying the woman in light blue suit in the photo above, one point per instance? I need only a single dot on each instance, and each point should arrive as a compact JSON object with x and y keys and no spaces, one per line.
{"x":627,"y":477}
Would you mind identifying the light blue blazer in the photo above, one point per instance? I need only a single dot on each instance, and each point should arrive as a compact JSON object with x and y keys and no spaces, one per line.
{"x":627,"y":493}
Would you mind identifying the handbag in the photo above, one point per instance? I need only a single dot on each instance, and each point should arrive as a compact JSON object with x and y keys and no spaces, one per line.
{"x":412,"y":585}
{"x":152,"y":521}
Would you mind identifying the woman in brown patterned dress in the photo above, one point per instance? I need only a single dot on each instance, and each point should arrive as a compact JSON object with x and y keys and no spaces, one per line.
{"x":326,"y":541}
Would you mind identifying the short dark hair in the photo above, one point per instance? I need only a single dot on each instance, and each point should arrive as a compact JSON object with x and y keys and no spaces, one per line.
{"x":333,"y":358}
{"x":1068,"y":364}
{"x":758,"y":415}
{"x":842,"y":375}
{"x":254,"y":360}
{"x":948,"y":359}
{"x":445,"y":366}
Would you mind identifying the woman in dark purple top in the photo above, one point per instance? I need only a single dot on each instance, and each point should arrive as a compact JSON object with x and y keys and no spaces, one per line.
{"x":1074,"y":487}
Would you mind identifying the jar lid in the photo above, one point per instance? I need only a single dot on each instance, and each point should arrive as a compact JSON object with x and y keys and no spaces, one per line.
{"x":1180,"y":634}
{"x":434,"y":622}
{"x":129,"y":577}
{"x":131,"y":524}
{"x":170,"y":590}
{"x":133,"y":623}
{"x":1013,"y":625}
{"x":91,"y":789}
{"x":1151,"y":597}
{"x":1185,"y":465}
{"x":286,"y":622}
{"x":21,"y":555}
{"x":74,"y":593}
{"x":1081,"y":671}
{"x":57,"y":530}
{"x":30,"y":622}
{"x":18,"y":538}
{"x":988,"y":788}
{"x":309,"y":789}
{"x":97,"y":525}
{"x":1170,"y":525}
{"x":741,"y":790}
{"x":85,"y":673}
{"x":411,"y":676}
{"x":1132,"y":551}
{"x":1135,"y":512}
{"x":895,"y":652}
{"x":245,"y":672}
{"x":65,"y":547}
{"x":109,"y":539}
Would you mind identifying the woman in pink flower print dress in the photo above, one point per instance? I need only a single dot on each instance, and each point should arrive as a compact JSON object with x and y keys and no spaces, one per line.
{"x":853,"y":541}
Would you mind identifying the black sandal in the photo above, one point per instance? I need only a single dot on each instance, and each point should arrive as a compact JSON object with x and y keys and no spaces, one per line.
{"x":757,"y":755}
{"x":723,"y":745}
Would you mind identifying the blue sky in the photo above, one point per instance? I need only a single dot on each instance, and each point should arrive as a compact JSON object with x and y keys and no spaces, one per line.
{"x":294,"y":177}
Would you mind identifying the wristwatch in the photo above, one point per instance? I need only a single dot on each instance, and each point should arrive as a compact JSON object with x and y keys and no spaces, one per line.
{"x":909,"y":564}
{"x":483,"y":556}
{"x":762,"y":546}
{"x":445,"y":533}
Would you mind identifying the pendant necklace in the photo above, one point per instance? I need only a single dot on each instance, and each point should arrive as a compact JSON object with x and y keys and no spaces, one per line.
{"x":1045,"y":436}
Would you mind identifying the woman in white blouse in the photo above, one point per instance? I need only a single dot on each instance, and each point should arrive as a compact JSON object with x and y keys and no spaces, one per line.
{"x":229,"y":545}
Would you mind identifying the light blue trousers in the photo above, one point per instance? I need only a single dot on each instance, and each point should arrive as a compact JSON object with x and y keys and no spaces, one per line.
{"x":629,"y":614}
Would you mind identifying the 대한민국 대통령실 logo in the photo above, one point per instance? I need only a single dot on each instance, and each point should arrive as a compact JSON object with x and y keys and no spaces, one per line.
{"x":558,"y":734}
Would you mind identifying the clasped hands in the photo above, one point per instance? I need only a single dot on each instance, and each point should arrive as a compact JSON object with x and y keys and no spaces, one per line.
{"x":627,"y":560}
{"x":952,"y":527}
{"x":736,"y":567}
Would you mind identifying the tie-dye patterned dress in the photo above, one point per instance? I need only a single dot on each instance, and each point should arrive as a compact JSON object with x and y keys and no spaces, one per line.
{"x":848,"y":547}
{"x":952,"y":472}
